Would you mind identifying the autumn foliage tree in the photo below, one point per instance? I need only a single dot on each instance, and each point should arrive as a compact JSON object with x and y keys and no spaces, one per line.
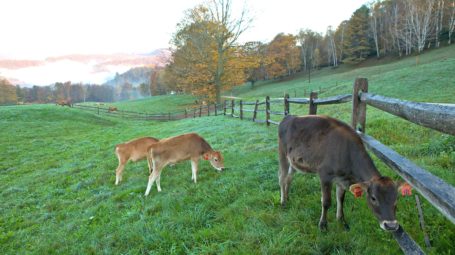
{"x":206,"y":58}
{"x":7,"y":92}
{"x":284,"y":53}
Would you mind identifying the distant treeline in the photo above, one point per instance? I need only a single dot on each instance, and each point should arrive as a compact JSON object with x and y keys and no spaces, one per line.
{"x":10,"y":94}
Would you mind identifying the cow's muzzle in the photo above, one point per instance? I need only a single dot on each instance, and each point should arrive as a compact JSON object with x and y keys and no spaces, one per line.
{"x":389,"y":225}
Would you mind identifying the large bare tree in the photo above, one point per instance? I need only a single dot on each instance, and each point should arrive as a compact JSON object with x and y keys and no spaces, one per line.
{"x":227,"y":32}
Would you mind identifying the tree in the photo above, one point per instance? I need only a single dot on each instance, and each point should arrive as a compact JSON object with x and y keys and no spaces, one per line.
{"x":284,"y":53}
{"x":451,"y":24}
{"x":357,"y":44}
{"x":206,"y":60}
{"x":144,"y":89}
{"x":331,"y":47}
{"x":7,"y":92}
{"x":255,"y":55}
{"x":309,"y":41}
{"x":418,"y":17}
{"x":226,"y":34}
{"x":375,"y":14}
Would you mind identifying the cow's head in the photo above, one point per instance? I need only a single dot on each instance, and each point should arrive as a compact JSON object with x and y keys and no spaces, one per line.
{"x":381,"y":194}
{"x":216,"y":159}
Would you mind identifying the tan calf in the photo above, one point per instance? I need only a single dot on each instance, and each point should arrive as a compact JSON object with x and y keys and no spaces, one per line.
{"x":179,"y":148}
{"x":133,"y":150}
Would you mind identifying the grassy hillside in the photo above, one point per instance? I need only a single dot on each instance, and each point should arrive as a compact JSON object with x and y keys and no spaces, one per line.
{"x":431,"y":80}
{"x":57,"y":177}
{"x":155,"y":104}
{"x":58,"y":194}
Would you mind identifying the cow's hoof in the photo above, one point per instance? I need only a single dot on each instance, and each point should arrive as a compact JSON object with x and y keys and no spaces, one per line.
{"x":323,"y":226}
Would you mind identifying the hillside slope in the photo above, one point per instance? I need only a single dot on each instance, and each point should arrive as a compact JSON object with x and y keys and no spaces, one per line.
{"x":428,"y":77}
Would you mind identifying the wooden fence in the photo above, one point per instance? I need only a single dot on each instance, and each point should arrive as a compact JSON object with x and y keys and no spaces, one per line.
{"x":203,"y":110}
{"x":440,"y":117}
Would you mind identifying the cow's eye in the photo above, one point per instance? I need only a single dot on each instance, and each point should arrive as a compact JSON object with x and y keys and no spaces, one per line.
{"x":373,"y":199}
{"x":216,"y":159}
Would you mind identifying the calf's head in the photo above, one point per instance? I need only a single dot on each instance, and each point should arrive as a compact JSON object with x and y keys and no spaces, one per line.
{"x":381,"y":194}
{"x":216,"y":159}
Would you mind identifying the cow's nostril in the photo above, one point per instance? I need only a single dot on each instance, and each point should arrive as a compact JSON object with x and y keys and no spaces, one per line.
{"x":391,"y":225}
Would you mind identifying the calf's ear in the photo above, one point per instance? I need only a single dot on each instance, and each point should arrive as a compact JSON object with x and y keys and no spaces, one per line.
{"x":404,"y":188}
{"x":357,"y":189}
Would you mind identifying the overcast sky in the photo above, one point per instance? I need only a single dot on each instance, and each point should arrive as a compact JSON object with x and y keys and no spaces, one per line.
{"x":35,"y":29}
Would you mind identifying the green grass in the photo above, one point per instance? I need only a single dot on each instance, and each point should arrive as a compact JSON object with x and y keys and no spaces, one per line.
{"x":156,"y":104}
{"x":58,"y":194}
{"x":57,"y":177}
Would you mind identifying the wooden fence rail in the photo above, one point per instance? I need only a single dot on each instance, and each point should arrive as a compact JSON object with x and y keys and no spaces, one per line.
{"x":436,"y":116}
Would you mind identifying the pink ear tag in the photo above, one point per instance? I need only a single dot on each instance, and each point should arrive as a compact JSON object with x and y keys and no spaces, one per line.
{"x":406,"y":190}
{"x":206,"y":156}
{"x":358,"y":192}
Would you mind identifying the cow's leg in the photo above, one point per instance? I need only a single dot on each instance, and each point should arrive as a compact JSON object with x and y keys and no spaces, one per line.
{"x":158,"y":180}
{"x":194,"y":166}
{"x":121,"y":165}
{"x":285,"y":177}
{"x":326,"y":198}
{"x":153,"y":176}
{"x":149,"y":163}
{"x":340,"y":201}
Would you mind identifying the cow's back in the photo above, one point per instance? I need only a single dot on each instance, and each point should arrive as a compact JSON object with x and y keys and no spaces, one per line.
{"x":136,"y":149}
{"x":314,"y":141}
{"x":181,"y":147}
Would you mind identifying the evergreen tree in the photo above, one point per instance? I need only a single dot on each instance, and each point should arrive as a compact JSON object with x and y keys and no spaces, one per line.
{"x":357,"y":43}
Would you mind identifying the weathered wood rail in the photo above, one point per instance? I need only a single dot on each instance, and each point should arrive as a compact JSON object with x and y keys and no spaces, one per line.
{"x":440,"y":117}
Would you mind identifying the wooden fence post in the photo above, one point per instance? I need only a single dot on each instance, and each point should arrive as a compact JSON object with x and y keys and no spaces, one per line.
{"x":200,"y":110}
{"x":208,"y":109}
{"x":267,"y":110}
{"x":359,"y":108}
{"x":98,"y":110}
{"x":194,"y":113}
{"x":286,"y":104}
{"x":241,"y":110}
{"x":313,"y":106}
{"x":224,"y":107}
{"x":216,"y":112}
{"x":255,"y":110}
{"x":232,"y":107}
{"x":186,"y":114}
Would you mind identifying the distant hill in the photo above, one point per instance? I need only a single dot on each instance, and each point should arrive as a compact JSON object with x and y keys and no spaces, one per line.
{"x":85,"y":68}
{"x":134,"y":76}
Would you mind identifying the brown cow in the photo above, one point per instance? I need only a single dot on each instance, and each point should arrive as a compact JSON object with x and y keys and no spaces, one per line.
{"x":112,"y":109}
{"x":179,"y":148}
{"x":133,"y":150}
{"x":63,"y":102}
{"x":334,"y":151}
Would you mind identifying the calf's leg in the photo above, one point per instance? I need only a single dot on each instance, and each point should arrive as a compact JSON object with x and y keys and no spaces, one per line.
{"x":340,"y":201}
{"x":326,"y":198}
{"x":194,"y":166}
{"x":153,"y":177}
{"x":285,"y":177}
{"x":121,"y":165}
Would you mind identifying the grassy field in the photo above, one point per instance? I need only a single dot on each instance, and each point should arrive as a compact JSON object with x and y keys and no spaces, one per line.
{"x":58,"y":194}
{"x":157,"y":104}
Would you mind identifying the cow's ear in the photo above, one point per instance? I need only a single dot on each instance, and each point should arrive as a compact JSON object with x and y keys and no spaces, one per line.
{"x":357,"y":189}
{"x":404,"y":188}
